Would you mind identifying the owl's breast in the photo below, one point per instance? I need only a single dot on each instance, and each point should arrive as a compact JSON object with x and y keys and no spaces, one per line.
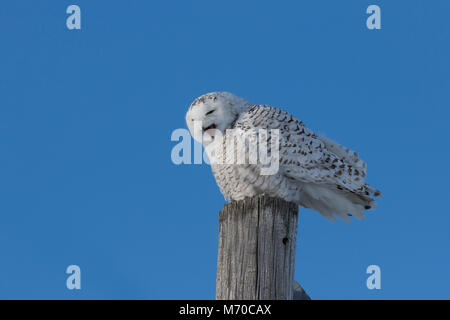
{"x":240,"y":175}
{"x":237,"y":182}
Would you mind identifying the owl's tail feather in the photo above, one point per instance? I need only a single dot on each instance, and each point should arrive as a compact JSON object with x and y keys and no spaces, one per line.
{"x":335,"y":203}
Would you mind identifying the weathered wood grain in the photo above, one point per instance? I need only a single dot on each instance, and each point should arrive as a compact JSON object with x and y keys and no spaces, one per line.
{"x":257,"y":242}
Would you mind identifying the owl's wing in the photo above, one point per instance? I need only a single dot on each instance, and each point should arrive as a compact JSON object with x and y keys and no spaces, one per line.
{"x":303,"y":155}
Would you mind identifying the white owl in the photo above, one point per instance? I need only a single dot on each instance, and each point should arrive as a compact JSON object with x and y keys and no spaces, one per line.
{"x":314,"y":172}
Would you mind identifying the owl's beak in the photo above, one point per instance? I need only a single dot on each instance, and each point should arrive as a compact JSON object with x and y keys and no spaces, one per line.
{"x":213,"y":126}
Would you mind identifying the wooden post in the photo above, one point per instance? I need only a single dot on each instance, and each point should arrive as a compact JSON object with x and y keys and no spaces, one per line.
{"x":257,"y":241}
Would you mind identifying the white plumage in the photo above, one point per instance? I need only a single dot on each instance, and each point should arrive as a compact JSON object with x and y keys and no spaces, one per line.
{"x":314,"y":172}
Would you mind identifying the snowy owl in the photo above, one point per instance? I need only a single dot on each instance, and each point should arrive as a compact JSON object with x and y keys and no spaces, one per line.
{"x":313,"y":171}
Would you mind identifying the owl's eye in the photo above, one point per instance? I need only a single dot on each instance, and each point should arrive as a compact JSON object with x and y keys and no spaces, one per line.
{"x":209,"y":112}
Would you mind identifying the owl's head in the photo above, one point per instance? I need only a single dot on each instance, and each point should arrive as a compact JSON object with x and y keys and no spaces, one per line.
{"x":216,"y":110}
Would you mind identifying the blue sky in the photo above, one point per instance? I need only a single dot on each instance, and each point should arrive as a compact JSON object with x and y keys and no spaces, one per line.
{"x":86,"y":116}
